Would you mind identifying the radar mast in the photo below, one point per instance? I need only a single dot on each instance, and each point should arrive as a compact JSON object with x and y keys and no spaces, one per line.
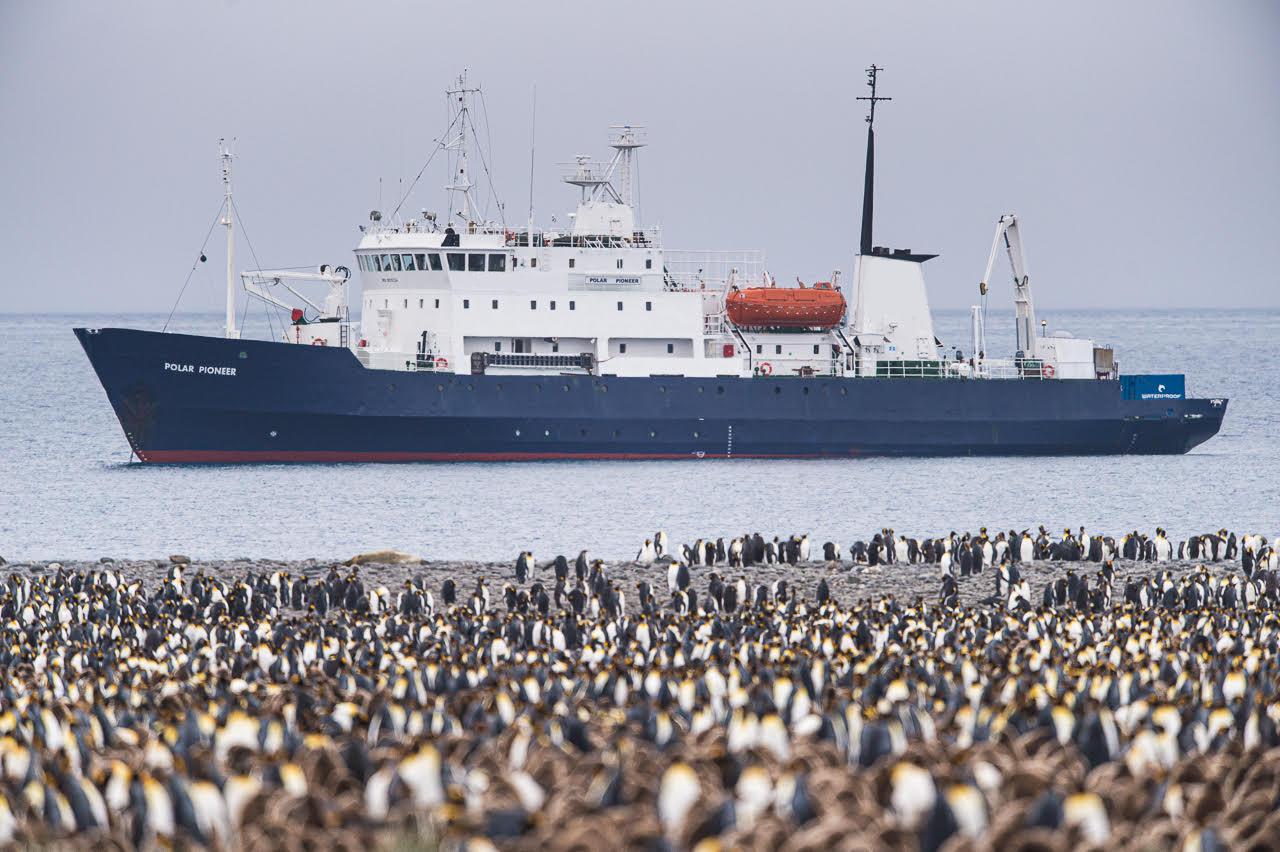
{"x":868,"y":184}
{"x":460,"y":182}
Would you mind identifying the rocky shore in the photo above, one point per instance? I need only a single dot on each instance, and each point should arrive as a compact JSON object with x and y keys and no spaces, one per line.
{"x":848,"y":583}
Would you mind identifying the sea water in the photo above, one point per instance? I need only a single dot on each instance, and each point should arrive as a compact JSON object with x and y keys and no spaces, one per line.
{"x":68,"y":488}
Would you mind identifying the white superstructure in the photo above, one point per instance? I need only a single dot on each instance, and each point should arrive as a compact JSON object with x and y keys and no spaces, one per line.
{"x":463,"y":293}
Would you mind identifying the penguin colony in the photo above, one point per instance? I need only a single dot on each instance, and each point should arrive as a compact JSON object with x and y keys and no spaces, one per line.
{"x":278,"y":711}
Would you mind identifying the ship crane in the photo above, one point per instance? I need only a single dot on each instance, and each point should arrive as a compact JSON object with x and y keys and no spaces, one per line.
{"x":258,"y":282}
{"x":1024,"y":309}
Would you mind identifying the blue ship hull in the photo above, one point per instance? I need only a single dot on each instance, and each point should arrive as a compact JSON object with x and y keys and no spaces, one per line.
{"x":183,"y":398}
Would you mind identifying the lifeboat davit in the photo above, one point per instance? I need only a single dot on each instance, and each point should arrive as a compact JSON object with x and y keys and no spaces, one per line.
{"x":819,"y":306}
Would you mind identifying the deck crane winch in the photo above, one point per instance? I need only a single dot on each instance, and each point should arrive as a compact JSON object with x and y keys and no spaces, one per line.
{"x":1024,"y":310}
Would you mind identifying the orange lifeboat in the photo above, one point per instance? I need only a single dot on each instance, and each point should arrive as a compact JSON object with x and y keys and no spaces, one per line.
{"x":820,"y":306}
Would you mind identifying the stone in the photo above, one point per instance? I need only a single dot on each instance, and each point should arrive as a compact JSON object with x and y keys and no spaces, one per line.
{"x":385,"y":557}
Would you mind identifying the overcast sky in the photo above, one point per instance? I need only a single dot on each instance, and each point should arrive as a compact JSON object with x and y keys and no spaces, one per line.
{"x":1140,"y":142}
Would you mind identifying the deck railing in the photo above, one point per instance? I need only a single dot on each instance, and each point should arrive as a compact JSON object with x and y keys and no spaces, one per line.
{"x":987,"y":368}
{"x":712,"y":270}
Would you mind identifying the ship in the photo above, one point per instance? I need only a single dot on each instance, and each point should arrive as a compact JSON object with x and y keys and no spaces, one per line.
{"x":480,"y":339}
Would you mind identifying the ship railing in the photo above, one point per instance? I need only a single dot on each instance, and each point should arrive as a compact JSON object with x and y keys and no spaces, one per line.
{"x":692,"y":270}
{"x":639,"y":238}
{"x":766,"y":366}
{"x":941,"y":368}
{"x":481,"y":361}
{"x":517,"y":236}
{"x":714,"y":324}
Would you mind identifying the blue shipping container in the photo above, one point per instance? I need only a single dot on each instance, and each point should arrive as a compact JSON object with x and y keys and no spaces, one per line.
{"x":1171,"y":386}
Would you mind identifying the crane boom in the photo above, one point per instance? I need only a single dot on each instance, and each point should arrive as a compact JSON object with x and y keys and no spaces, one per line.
{"x":1024,"y":309}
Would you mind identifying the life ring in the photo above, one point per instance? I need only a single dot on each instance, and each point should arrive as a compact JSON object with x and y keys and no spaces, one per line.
{"x":1047,"y":371}
{"x":442,"y":363}
{"x":319,"y":341}
{"x":766,"y":369}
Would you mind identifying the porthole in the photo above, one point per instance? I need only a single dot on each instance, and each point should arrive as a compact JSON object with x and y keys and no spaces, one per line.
{"x":244,"y":355}
{"x":617,"y":433}
{"x":498,"y":388}
{"x":701,"y":389}
{"x":719,"y":388}
{"x":391,"y":387}
{"x":583,"y":432}
{"x":652,"y":434}
{"x":440,"y":388}
{"x":777,"y":389}
{"x":517,"y":433}
{"x":804,"y":391}
{"x":662,"y":388}
{"x":696,"y":435}
{"x":604,"y":388}
{"x":538,"y":387}
{"x":546,"y":432}
{"x":564,"y":388}
{"x":844,"y":391}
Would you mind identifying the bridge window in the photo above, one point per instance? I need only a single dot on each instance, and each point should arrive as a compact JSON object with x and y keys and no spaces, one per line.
{"x":435,"y":262}
{"x":377,"y":263}
{"x":457,"y":262}
{"x":475,"y":263}
{"x":406,"y":260}
{"x":420,"y":262}
{"x":497,"y":262}
{"x":395,"y":263}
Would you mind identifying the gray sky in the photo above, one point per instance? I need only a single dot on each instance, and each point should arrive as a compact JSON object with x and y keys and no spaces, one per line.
{"x":1140,"y":142}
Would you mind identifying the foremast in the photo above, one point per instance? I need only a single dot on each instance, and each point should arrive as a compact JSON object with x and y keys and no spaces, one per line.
{"x":228,"y":221}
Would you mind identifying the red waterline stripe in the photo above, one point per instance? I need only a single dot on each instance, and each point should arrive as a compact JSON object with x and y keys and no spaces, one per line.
{"x":232,"y":456}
